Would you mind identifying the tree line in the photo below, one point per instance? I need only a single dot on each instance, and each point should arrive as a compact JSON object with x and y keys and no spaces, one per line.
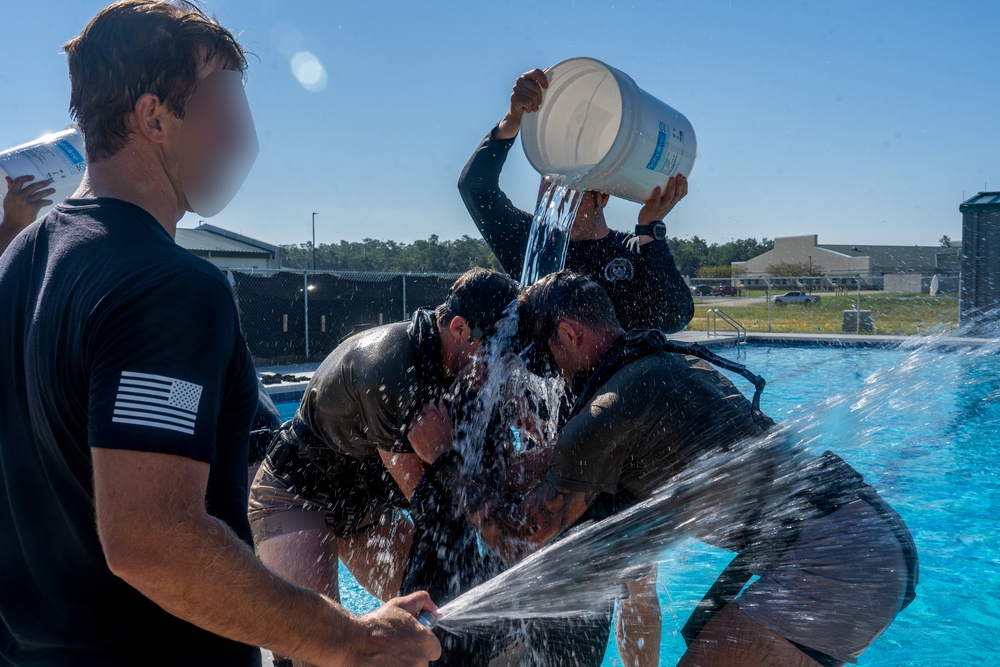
{"x":694,"y":256}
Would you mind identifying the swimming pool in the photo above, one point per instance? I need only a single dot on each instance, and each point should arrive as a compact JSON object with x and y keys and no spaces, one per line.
{"x":923,"y":426}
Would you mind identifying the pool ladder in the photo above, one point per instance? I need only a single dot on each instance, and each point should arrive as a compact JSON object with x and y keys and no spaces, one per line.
{"x":714,"y":314}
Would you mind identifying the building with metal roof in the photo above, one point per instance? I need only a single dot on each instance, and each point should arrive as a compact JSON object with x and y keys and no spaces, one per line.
{"x":228,"y":250}
{"x":845,"y":263}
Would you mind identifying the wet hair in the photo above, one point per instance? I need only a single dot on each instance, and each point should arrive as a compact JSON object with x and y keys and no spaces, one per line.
{"x":134,"y":47}
{"x":564,"y":295}
{"x":480,"y":296}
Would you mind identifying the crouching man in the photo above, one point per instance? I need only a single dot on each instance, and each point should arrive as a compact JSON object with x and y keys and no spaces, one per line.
{"x":836,"y":563}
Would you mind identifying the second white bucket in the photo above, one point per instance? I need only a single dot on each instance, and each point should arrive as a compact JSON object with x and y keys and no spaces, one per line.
{"x":596,"y":126}
{"x":58,"y":156}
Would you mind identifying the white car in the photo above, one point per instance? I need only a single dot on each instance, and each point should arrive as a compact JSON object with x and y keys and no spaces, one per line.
{"x":796,"y":297}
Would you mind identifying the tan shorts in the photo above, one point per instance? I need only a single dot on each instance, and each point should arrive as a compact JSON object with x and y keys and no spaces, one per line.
{"x":276,"y":508}
{"x":838,"y":587}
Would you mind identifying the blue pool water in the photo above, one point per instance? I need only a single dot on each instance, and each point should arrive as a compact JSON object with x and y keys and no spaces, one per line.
{"x":923,"y":426}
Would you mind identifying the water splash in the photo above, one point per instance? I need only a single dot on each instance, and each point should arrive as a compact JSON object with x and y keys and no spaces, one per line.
{"x":548,"y":241}
{"x":586,"y":567}
{"x":574,"y":575}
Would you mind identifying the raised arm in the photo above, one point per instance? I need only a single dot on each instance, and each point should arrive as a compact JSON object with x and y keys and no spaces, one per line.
{"x":504,"y":226}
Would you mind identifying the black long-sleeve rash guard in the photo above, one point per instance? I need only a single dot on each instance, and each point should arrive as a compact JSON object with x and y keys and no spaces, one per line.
{"x":645,"y":287}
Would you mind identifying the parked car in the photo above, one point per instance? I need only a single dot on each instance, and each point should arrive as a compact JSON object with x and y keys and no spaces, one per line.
{"x":725,"y":290}
{"x":701,"y":290}
{"x":796,"y":297}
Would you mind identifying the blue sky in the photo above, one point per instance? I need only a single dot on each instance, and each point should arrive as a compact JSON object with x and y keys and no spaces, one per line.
{"x":859,"y":121}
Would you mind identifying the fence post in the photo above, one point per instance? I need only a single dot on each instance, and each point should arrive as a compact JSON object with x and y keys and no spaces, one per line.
{"x":767,"y":281}
{"x":403,"y":276}
{"x":305,"y":298}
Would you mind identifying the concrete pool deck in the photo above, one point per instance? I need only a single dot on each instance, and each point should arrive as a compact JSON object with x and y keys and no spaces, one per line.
{"x":288,"y":391}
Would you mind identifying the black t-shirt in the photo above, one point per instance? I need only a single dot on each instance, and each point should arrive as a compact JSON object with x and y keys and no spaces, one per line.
{"x":645,"y":287}
{"x":113,"y":337}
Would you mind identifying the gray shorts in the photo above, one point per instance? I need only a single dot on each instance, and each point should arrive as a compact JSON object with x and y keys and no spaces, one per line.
{"x":838,"y":587}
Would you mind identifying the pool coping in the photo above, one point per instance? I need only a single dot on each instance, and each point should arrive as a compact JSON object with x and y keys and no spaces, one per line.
{"x":287,"y":392}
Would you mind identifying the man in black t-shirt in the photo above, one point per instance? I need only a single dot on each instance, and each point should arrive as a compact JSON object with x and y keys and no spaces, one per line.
{"x":637,"y":271}
{"x":128,"y":389}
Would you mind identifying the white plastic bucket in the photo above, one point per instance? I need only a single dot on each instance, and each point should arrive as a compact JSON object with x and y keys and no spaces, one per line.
{"x":595,"y":127}
{"x":59,"y":156}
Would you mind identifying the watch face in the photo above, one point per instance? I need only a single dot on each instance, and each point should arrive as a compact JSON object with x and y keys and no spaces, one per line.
{"x":659,"y":230}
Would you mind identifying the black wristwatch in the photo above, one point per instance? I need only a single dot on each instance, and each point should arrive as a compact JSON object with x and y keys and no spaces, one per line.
{"x":656,"y":229}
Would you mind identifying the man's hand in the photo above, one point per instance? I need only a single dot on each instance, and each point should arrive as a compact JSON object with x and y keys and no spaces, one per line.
{"x":23,"y":201}
{"x":430,"y":432}
{"x":663,"y":200}
{"x":392,"y":635}
{"x":525,"y":96}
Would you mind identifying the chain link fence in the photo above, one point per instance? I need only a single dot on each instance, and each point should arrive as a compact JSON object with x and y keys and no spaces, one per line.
{"x":756,"y":285}
{"x":297,"y":316}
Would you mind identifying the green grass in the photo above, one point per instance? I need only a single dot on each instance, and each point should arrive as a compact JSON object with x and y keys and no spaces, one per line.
{"x":904,"y":314}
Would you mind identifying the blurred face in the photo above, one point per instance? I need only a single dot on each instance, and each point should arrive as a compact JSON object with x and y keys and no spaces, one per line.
{"x":217,"y":144}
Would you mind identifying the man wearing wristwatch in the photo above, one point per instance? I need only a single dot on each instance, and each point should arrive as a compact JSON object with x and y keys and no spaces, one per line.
{"x":637,"y":271}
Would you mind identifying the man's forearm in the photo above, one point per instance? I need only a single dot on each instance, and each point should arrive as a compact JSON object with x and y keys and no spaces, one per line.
{"x":507,"y":128}
{"x":203,"y":573}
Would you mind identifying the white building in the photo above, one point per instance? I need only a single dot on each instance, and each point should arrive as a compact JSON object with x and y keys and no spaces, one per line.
{"x":894,"y":268}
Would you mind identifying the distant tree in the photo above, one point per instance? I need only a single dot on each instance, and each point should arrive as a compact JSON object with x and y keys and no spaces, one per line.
{"x":425,"y":256}
{"x":691,"y":254}
{"x":945,"y":241}
{"x":716,"y":271}
{"x":794,"y":269}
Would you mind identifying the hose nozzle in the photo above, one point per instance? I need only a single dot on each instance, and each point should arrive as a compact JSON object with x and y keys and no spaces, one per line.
{"x":427,"y":619}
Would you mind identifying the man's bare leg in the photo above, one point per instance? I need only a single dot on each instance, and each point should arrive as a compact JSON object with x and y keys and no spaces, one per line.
{"x":308,"y":558}
{"x":377,"y":557}
{"x":640,"y":624}
{"x":733,"y":639}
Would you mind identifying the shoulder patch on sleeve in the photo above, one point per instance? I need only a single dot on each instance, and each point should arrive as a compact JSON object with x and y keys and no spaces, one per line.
{"x":157,"y":402}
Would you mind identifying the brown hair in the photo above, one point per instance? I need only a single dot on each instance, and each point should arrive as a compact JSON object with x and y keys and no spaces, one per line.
{"x":135,"y":47}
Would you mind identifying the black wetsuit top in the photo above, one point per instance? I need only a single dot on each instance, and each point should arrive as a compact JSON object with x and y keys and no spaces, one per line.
{"x":360,"y":401}
{"x":646,"y":288}
{"x":364,"y":394}
{"x":114,"y":337}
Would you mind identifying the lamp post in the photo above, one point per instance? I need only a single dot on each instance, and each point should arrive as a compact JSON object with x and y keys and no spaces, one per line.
{"x":810,"y":274}
{"x":314,"y":241}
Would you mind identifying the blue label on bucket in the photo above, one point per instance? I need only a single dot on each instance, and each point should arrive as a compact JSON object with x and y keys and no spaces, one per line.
{"x":661,"y":143}
{"x":73,"y":154}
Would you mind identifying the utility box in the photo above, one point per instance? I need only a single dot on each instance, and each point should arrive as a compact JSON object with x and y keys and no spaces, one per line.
{"x":979,"y":296}
{"x":858,"y":321}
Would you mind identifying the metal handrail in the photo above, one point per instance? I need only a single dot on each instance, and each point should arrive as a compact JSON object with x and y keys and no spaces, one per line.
{"x":713,"y":313}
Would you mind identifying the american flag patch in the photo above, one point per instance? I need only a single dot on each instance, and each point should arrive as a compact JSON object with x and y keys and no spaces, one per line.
{"x":157,"y":401}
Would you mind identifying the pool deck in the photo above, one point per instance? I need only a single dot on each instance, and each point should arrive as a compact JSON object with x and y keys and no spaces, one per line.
{"x":285,"y":392}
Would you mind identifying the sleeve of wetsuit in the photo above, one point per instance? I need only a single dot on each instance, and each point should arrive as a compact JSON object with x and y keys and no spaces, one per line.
{"x":504,"y":227}
{"x":663,"y":300}
{"x":161,"y":359}
{"x":592,"y":448}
